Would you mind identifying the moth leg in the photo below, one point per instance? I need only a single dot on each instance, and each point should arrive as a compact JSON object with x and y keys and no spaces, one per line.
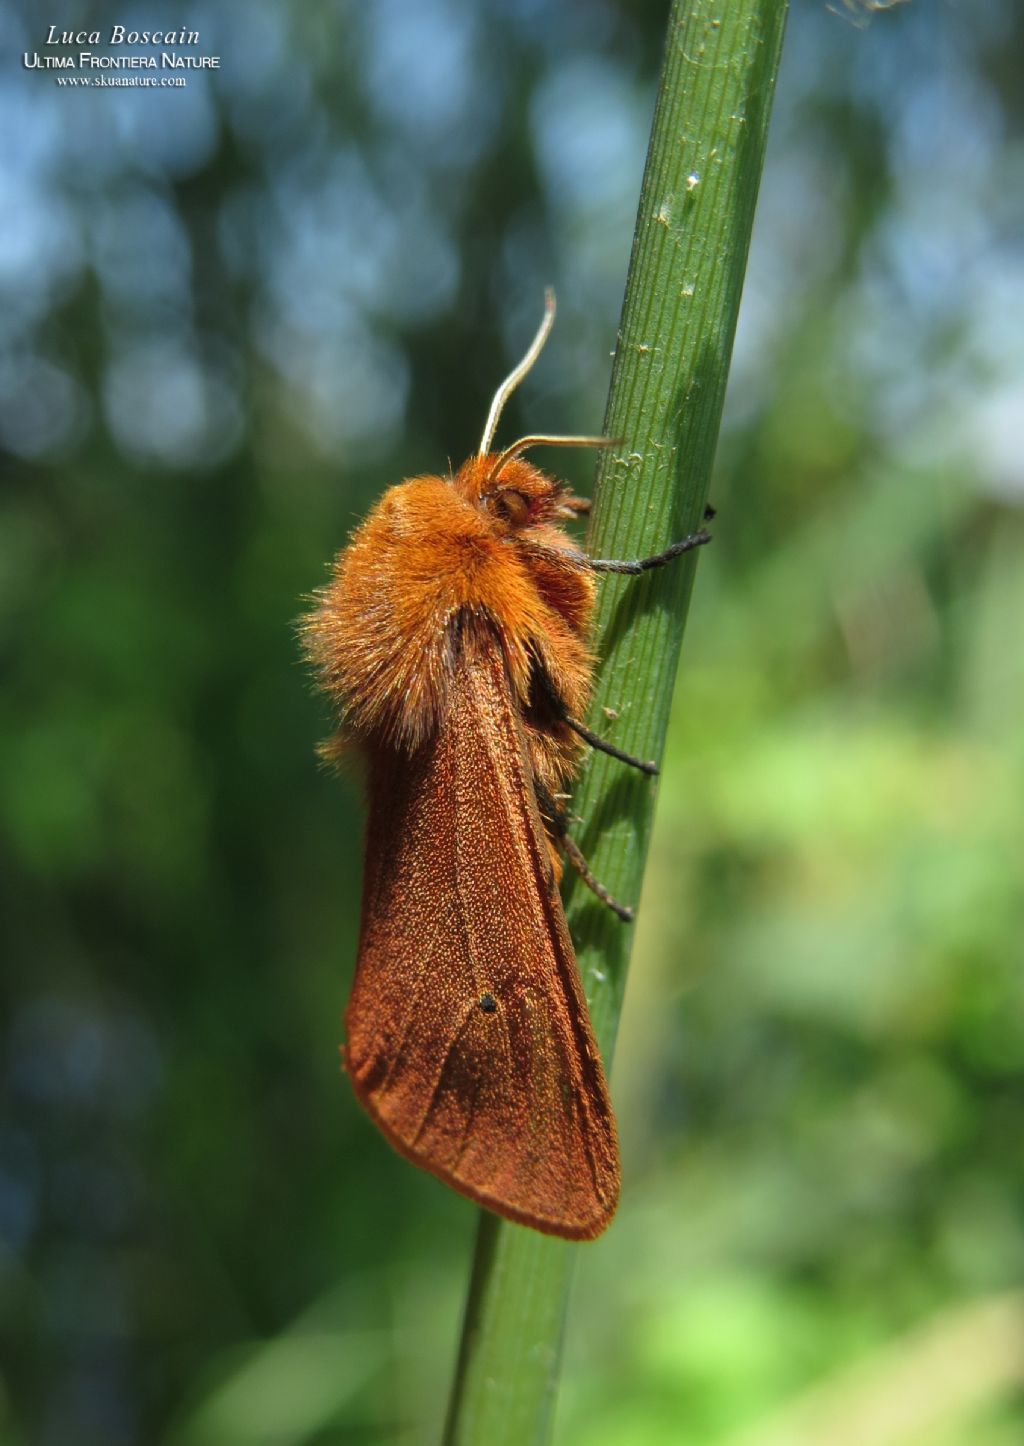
{"x":556,"y":824}
{"x":545,"y":693}
{"x":603,"y":746}
{"x":580,"y":865}
{"x":644,"y":564}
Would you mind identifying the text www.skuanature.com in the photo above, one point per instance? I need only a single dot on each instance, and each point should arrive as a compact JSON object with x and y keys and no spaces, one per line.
{"x":134,"y":82}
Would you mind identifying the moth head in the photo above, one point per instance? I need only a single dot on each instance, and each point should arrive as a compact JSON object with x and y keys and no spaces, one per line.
{"x":511,"y":493}
{"x":509,"y":490}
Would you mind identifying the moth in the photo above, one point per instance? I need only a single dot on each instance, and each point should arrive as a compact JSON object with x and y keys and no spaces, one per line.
{"x":453,"y":639}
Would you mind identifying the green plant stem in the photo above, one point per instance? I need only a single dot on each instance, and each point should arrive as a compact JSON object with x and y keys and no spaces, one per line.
{"x":668,"y":387}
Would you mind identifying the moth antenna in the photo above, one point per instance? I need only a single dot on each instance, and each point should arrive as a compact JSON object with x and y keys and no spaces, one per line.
{"x":542,"y":440}
{"x":515,"y":376}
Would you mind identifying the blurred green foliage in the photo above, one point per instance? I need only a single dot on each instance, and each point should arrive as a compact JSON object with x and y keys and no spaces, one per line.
{"x":231,"y":317}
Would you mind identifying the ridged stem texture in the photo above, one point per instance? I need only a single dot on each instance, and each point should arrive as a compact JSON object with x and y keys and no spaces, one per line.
{"x":668,"y":386}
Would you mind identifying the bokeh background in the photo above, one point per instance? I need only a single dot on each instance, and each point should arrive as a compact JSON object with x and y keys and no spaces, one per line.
{"x":231,"y":315}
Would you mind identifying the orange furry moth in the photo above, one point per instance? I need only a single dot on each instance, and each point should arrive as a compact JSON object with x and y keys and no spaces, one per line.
{"x":452,"y":637}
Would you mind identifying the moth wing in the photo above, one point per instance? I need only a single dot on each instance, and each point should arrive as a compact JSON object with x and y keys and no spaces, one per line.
{"x":468,"y":1037}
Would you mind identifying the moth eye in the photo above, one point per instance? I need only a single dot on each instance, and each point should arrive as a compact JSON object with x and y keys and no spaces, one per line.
{"x":513,"y":505}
